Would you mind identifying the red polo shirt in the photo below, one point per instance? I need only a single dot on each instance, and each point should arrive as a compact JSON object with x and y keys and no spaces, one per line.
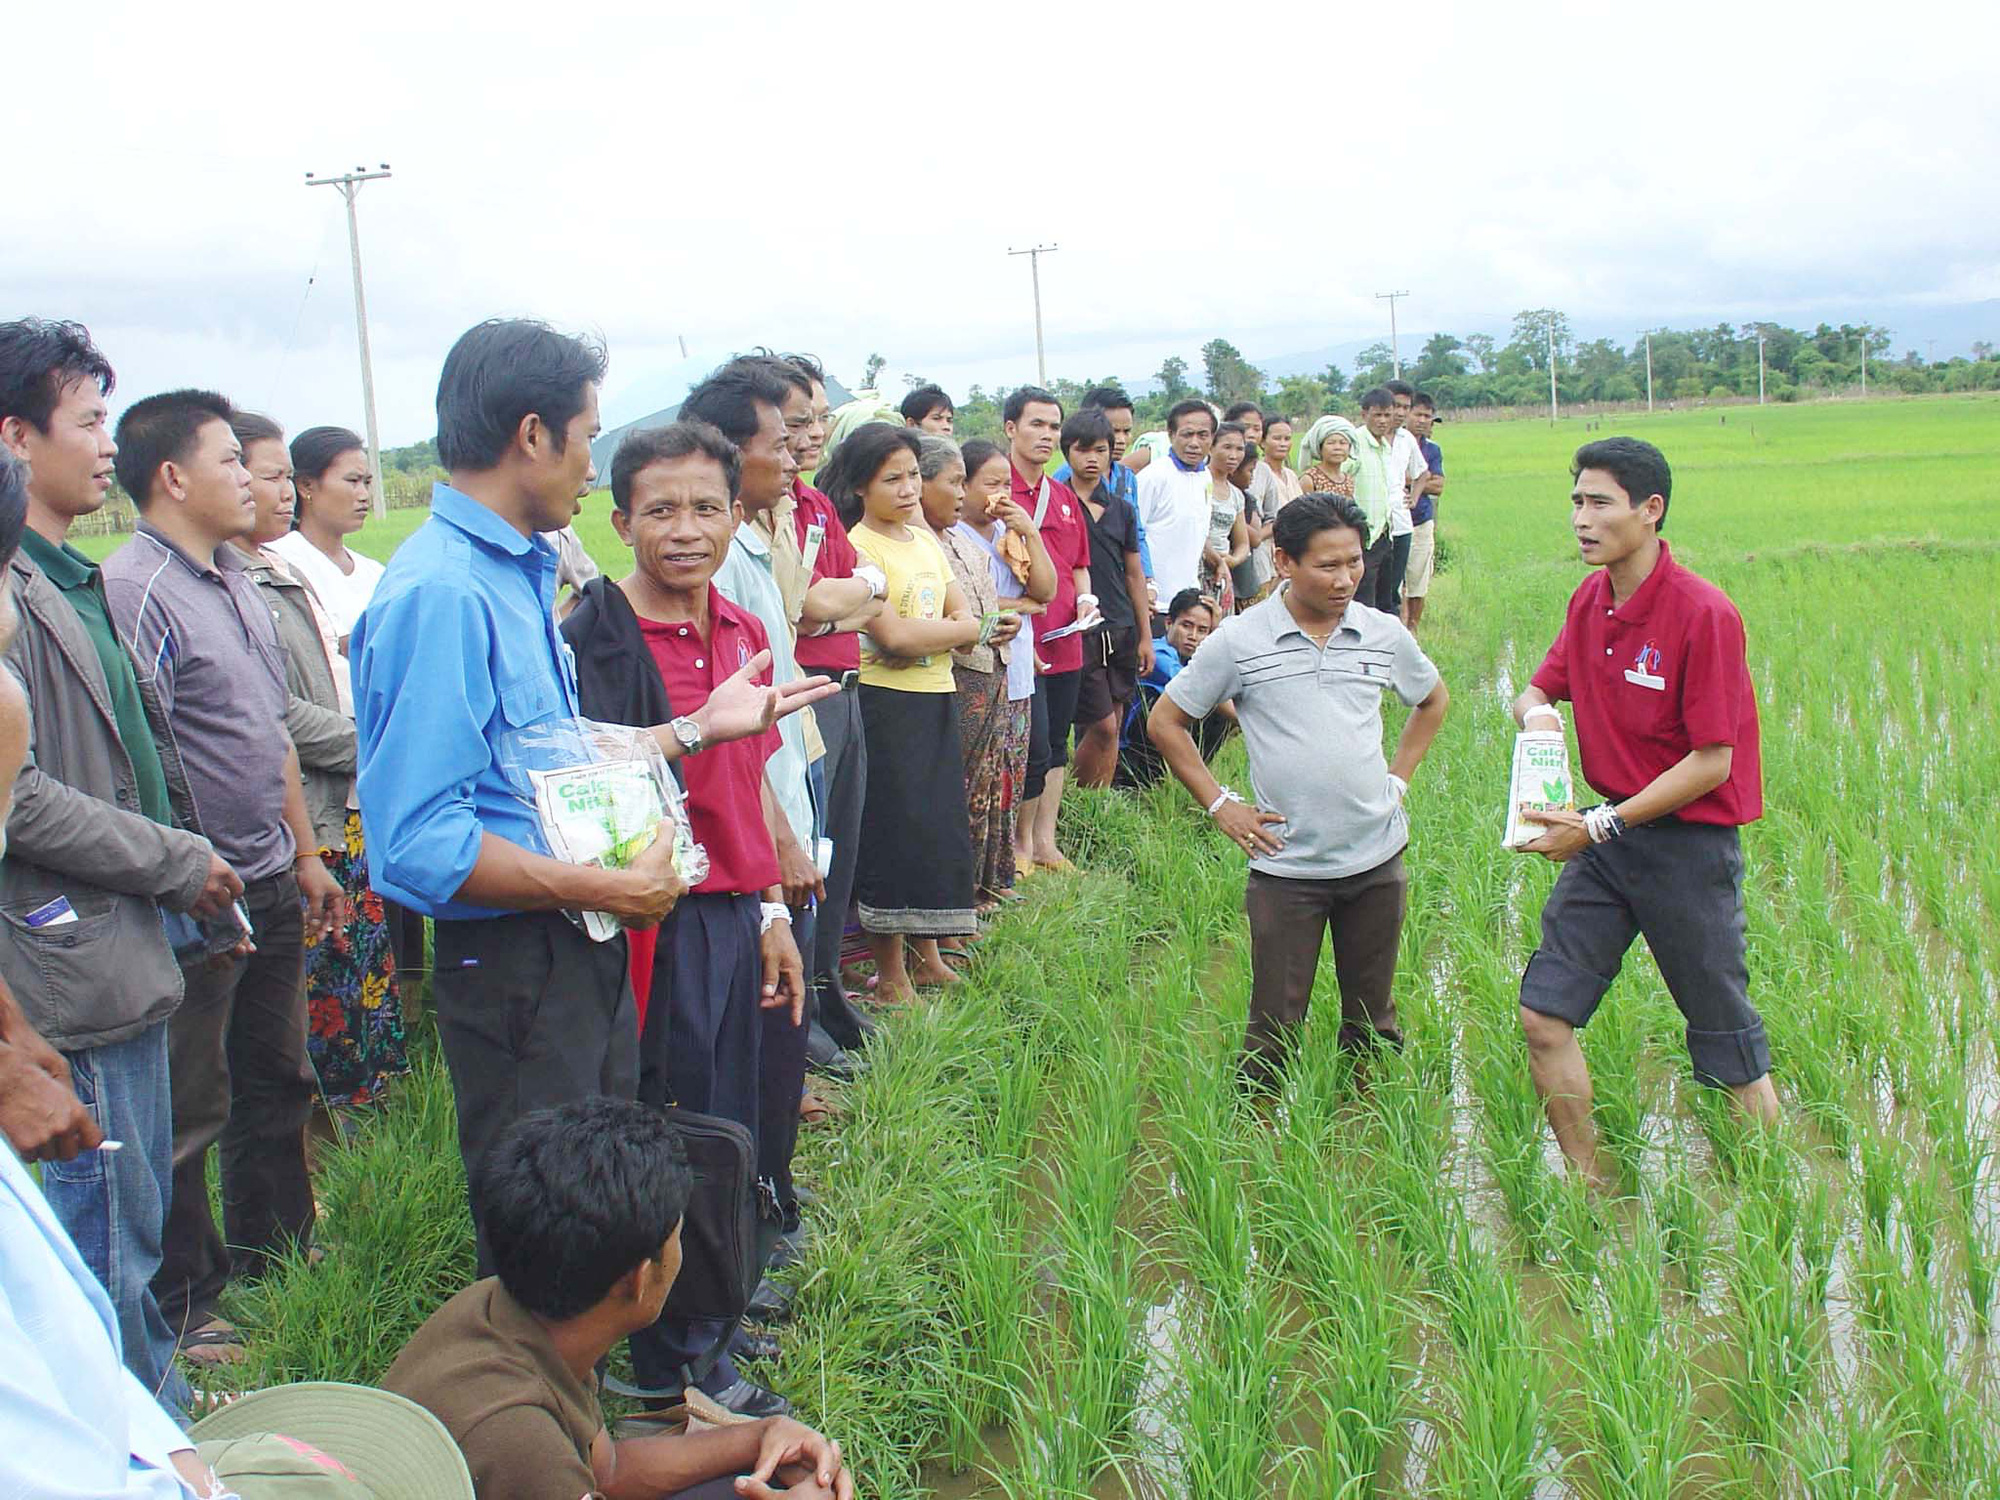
{"x":724,"y":782}
{"x":1066,"y":533}
{"x":835,"y":558}
{"x":1654,"y":678}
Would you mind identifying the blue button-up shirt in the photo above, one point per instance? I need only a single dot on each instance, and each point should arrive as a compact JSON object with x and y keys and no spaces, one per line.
{"x":73,"y":1420}
{"x":458,"y":647}
{"x":1124,"y":483}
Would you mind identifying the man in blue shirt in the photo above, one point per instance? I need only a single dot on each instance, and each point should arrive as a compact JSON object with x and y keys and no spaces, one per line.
{"x":1191,"y":618}
{"x":1121,"y":480}
{"x":1423,"y":510}
{"x":457,"y":649}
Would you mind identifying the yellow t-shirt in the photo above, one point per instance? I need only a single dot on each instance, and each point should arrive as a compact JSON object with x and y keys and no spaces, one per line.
{"x":918,"y":574}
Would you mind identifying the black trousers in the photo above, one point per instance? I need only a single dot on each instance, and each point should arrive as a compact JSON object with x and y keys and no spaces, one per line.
{"x":531,"y":1014}
{"x":1378,"y":585}
{"x":845,"y":770}
{"x":236,"y":1055}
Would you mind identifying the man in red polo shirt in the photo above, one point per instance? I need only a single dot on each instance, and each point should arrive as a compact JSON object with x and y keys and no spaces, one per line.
{"x":830,"y":612}
{"x":729,"y":953}
{"x":1652,"y":658}
{"x":1033,"y":420}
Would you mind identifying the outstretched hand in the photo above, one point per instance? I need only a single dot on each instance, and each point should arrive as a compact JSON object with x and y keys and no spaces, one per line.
{"x":741,"y":706}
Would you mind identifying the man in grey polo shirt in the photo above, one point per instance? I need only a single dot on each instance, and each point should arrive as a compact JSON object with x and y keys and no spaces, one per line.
{"x":203,"y":641}
{"x":1306,"y":670}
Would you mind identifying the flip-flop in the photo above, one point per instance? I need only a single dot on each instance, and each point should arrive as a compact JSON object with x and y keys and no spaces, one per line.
{"x":1060,"y":866}
{"x":816,"y":1109}
{"x":214,"y":1343}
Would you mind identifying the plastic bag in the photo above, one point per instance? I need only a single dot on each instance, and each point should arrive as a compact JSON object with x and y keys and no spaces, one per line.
{"x":599,"y":793}
{"x":1541,"y":783}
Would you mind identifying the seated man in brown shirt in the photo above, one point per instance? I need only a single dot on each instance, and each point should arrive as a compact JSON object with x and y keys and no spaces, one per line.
{"x":582,"y":1207}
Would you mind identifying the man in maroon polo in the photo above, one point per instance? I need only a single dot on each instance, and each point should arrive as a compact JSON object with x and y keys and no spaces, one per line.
{"x":1033,"y":420}
{"x":1652,"y":658}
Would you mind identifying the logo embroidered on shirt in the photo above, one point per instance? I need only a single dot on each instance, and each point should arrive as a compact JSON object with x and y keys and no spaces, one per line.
{"x":1645,"y":669}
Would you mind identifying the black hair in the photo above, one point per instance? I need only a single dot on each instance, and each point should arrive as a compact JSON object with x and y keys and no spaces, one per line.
{"x":1107,"y":398}
{"x":160,"y":430}
{"x":1186,"y":600}
{"x":573,"y":1198}
{"x":1026,"y":396}
{"x":1086,"y":425}
{"x":809,"y":367}
{"x":496,"y":374}
{"x":1251,"y":452}
{"x":924,"y":400}
{"x":1242,"y":409}
{"x":13,"y":508}
{"x":1423,"y":399}
{"x":728,"y":399}
{"x":678,"y":439}
{"x":39,"y":360}
{"x":1235,"y":429}
{"x":254,"y":427}
{"x":1187,"y":409}
{"x":857,"y":461}
{"x":1306,"y":517}
{"x":784,"y":369}
{"x":1399,"y":388}
{"x":1378,"y":397}
{"x":1640,"y":469}
{"x":978,"y":453}
{"x":313,"y":453}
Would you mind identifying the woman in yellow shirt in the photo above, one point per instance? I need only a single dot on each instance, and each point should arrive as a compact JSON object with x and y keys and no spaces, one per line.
{"x":913,"y":880}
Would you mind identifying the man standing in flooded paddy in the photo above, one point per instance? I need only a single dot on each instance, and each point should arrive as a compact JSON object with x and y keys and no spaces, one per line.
{"x":1652,"y":657}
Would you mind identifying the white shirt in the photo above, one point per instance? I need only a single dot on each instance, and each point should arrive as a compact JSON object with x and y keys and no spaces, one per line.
{"x":1406,"y":458}
{"x":344,"y":595}
{"x":1174,"y":507}
{"x":73,"y":1420}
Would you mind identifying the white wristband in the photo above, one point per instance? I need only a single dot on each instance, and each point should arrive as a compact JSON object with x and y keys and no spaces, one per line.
{"x":1225,"y":795}
{"x":1542,"y":708}
{"x":1400,"y":787}
{"x":769,"y":912}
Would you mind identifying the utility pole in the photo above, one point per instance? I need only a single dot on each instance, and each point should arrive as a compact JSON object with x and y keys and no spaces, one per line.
{"x":1864,"y":361}
{"x":349,"y":184}
{"x":1760,"y":369}
{"x":1649,"y":373}
{"x":1035,"y":254}
{"x":1552,"y":369}
{"x":1395,"y":353}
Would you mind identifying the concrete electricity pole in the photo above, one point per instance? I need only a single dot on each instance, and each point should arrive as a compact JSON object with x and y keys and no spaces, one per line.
{"x":349,"y":184}
{"x":1395,"y":354}
{"x":1552,"y":369}
{"x":1760,"y":369}
{"x":1035,"y":254}
{"x":1649,"y":372}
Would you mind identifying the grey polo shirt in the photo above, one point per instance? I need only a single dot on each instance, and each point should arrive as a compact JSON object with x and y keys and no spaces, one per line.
{"x":207,"y":641}
{"x":1312,"y":720}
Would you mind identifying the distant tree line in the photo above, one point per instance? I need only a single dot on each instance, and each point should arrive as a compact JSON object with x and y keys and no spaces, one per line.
{"x":1688,"y":365}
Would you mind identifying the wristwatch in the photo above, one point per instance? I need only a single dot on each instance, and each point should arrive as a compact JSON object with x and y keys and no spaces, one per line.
{"x":688,"y":733}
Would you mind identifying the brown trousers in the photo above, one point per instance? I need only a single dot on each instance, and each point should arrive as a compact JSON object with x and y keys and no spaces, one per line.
{"x":1287,"y":920}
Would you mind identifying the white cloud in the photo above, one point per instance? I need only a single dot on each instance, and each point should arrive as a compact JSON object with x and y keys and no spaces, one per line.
{"x":784,"y":174}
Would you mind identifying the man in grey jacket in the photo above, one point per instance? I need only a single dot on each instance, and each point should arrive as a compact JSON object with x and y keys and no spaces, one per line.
{"x":93,"y":850}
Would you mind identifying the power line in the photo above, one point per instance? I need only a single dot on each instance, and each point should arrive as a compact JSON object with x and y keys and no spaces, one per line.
{"x":349,"y":184}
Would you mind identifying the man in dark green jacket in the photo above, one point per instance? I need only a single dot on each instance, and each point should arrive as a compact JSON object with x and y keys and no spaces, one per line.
{"x":93,"y":847}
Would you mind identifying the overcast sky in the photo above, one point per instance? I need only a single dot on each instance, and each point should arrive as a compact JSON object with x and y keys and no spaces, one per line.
{"x":771,"y":173}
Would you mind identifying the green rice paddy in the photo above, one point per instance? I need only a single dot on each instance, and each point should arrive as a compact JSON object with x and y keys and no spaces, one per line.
{"x":1058,"y":1256}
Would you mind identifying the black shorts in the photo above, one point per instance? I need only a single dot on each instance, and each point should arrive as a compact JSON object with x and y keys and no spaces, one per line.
{"x":1050,"y":721}
{"x":1681,"y":885}
{"x":1107,"y":685}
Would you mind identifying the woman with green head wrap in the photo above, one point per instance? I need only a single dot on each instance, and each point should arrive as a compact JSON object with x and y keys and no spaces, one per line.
{"x":1327,"y":467}
{"x":857,"y":413}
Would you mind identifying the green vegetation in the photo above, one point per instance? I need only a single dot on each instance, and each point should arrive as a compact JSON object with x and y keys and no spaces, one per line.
{"x":1058,"y":1256}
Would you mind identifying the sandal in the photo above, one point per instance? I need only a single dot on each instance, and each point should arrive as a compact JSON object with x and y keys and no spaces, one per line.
{"x":216,"y":1342}
{"x":816,"y":1109}
{"x":1061,"y":865}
